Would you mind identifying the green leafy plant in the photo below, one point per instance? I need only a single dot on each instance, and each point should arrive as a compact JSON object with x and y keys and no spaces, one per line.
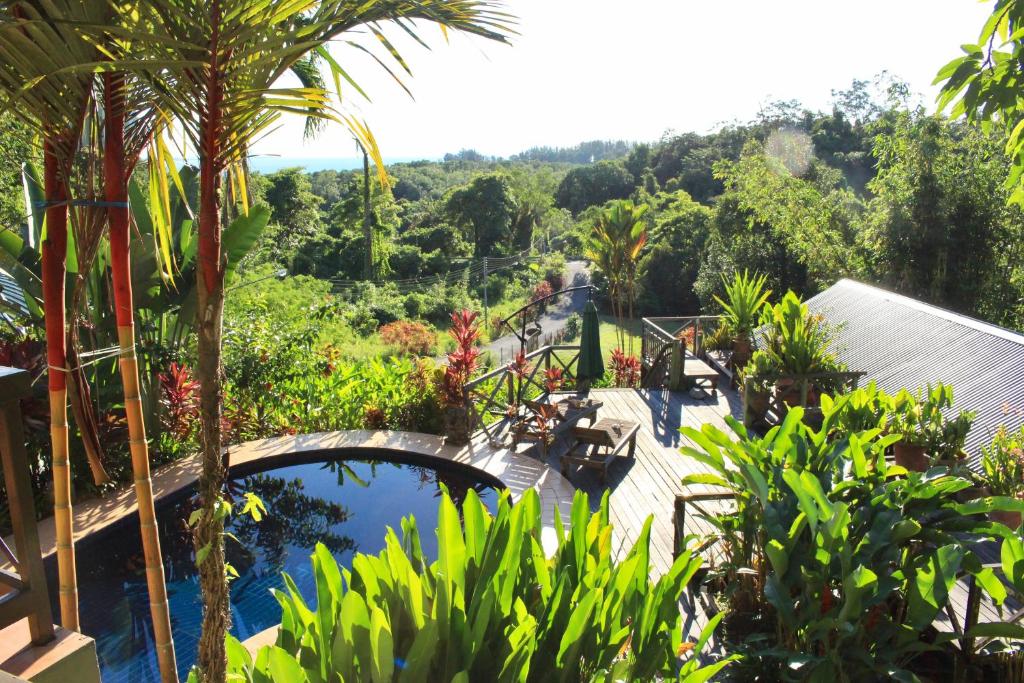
{"x":1003,"y":463}
{"x":492,"y":607}
{"x":920,"y":420}
{"x":797,"y":342}
{"x":760,"y":373}
{"x":746,"y":296}
{"x":843,"y":561}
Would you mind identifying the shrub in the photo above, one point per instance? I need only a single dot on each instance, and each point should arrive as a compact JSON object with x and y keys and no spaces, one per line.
{"x":1003,"y":463}
{"x":746,"y":297}
{"x":573,"y":326}
{"x":462,"y":362}
{"x":492,"y":607}
{"x":179,"y":401}
{"x":541,"y":289}
{"x":625,"y":369}
{"x":408,"y":338}
{"x":837,"y":561}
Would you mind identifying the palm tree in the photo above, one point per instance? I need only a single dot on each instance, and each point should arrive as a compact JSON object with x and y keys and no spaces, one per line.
{"x":130,"y":124}
{"x":614,"y":245}
{"x":38,"y":87}
{"x":218,"y":76}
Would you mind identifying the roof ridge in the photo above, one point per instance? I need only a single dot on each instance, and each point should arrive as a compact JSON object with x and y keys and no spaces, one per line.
{"x":937,"y":311}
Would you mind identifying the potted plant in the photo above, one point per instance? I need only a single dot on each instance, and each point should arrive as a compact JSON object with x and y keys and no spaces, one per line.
{"x":927,"y":436}
{"x":462,"y":363}
{"x":758,"y":379}
{"x":798,"y":344}
{"x":1002,"y":462}
{"x":746,"y":297}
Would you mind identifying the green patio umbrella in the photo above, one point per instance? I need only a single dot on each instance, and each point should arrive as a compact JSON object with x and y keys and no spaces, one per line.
{"x":591,"y":365}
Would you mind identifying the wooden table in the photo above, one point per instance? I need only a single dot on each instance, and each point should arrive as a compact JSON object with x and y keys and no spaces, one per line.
{"x":600,"y":444}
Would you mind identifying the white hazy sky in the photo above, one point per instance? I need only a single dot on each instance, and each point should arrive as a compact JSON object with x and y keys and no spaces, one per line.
{"x":601,"y":69}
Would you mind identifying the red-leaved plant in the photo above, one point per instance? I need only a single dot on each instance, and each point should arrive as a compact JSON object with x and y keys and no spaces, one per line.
{"x":626,"y":369}
{"x":553,"y":380}
{"x":543,"y":289}
{"x":462,"y":362}
{"x":179,"y":398}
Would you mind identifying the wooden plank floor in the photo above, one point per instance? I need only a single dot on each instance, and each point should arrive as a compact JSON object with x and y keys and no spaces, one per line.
{"x":648,"y":485}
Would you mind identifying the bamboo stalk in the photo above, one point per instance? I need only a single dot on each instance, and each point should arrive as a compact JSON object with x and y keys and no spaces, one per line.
{"x":54,"y":267}
{"x":116,"y":191}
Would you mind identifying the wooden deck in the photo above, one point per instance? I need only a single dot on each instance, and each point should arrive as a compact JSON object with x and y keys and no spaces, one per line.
{"x":649,"y":484}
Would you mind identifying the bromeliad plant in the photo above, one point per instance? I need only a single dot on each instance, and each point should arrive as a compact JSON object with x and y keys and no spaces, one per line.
{"x":846,"y":560}
{"x":492,"y":607}
{"x":746,"y":296}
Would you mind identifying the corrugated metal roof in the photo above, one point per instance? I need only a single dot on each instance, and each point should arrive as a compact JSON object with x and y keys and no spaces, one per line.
{"x":903,"y":343}
{"x":10,"y":290}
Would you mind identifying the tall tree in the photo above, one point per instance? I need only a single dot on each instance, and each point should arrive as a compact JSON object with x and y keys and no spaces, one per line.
{"x":614,"y":245}
{"x":224,"y":59}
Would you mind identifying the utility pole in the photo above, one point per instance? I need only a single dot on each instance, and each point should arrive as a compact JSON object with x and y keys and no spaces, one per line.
{"x":487,"y":317}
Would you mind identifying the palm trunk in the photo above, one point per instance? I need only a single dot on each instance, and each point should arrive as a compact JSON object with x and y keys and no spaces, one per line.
{"x":209,"y":530}
{"x":368,"y":268}
{"x":115,"y":177}
{"x":54,"y":267}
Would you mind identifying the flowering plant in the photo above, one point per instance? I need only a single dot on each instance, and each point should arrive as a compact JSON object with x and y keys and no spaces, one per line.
{"x":1003,"y":463}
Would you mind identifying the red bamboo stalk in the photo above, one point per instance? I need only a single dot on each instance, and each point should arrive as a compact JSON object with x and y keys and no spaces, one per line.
{"x":54,"y":266}
{"x":115,"y":185}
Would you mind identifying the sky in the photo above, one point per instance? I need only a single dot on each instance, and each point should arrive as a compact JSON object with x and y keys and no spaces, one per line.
{"x":601,"y":69}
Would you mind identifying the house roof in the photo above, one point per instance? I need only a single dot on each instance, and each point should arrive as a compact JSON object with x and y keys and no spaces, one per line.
{"x":10,"y":290}
{"x":904,"y":343}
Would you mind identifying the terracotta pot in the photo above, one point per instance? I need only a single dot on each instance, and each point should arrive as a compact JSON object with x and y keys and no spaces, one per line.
{"x":1010,"y":519}
{"x":788,"y":393}
{"x":456,"y":425}
{"x":741,"y":352}
{"x":910,"y":456}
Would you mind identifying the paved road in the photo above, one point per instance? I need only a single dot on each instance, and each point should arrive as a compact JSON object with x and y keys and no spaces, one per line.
{"x":504,"y":348}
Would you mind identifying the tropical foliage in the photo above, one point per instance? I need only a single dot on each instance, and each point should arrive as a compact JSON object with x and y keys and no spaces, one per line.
{"x":493,"y":606}
{"x":836,"y":562}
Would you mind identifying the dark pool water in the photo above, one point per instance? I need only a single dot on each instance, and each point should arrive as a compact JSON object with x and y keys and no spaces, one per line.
{"x":345,"y":504}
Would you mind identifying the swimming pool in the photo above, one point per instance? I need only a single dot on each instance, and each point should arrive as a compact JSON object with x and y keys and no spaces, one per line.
{"x":341,"y":501}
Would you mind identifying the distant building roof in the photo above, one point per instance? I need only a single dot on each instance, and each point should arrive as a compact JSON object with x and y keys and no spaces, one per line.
{"x":903,"y":343}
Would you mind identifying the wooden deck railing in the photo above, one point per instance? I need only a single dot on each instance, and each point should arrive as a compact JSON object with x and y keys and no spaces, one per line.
{"x":23,"y":592}
{"x":664,"y":345}
{"x":495,"y":396}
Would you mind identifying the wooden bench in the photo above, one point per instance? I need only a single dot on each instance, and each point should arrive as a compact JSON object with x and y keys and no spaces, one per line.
{"x":696,"y":371}
{"x":599,"y":445}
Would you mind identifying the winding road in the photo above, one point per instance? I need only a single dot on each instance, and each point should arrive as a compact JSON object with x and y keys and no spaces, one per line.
{"x":576,"y":275}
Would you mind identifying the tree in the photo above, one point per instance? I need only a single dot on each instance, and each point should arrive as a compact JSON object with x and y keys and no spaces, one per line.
{"x":294,"y":214}
{"x":488,"y":208}
{"x":593,"y":185}
{"x":218,"y":76}
{"x":669,"y":269}
{"x":938,"y":227}
{"x":986,"y":84}
{"x":614,"y":245}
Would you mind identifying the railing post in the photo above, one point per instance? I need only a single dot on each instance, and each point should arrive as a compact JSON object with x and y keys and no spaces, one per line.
{"x":32,"y":599}
{"x":675,"y":368}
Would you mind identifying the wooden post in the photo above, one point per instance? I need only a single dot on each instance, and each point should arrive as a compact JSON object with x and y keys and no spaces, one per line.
{"x":33,"y":598}
{"x":675,"y":368}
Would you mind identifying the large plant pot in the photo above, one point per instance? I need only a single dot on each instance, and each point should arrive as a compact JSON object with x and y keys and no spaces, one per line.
{"x":787,"y":392}
{"x":1010,"y":519}
{"x":910,"y":456}
{"x":456,"y":425}
{"x":741,"y":352}
{"x":757,"y":406}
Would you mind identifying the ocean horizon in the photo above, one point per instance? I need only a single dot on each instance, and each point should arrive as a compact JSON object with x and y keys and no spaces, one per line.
{"x":270,"y":164}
